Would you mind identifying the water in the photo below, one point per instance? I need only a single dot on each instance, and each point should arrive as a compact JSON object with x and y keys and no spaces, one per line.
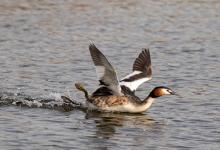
{"x":44,"y":51}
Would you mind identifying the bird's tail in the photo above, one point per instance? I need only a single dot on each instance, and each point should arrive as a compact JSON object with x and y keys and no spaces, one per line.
{"x":80,"y":87}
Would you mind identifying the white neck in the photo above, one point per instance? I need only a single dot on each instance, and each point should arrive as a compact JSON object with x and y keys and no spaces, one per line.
{"x":148,"y":102}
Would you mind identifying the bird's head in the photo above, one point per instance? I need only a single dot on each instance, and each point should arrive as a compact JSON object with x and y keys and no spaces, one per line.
{"x":160,"y":91}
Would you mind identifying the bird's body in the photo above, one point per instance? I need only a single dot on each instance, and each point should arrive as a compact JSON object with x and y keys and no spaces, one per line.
{"x":119,"y":96}
{"x":114,"y":103}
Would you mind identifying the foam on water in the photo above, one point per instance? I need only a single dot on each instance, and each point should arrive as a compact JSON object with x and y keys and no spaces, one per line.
{"x":49,"y":101}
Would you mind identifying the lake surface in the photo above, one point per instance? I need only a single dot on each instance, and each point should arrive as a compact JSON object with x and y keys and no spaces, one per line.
{"x":44,"y":51}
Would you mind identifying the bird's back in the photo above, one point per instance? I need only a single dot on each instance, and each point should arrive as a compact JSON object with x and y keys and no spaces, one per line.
{"x":126,"y":103}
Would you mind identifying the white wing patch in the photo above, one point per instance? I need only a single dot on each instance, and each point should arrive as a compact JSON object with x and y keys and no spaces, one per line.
{"x":132,"y":74}
{"x":134,"y":84}
{"x":142,"y":71}
{"x":100,"y":70}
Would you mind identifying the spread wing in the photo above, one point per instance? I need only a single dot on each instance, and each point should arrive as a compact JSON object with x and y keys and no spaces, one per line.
{"x":141,"y":71}
{"x":105,"y":72}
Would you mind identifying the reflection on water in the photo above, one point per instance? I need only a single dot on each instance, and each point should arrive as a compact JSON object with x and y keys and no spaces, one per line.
{"x":108,"y":126}
{"x":107,"y":122}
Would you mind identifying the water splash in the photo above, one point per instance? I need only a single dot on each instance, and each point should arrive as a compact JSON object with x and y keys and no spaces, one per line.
{"x":50,"y":101}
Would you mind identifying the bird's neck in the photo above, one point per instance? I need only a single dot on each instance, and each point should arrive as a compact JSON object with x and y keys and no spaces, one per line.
{"x":148,"y":101}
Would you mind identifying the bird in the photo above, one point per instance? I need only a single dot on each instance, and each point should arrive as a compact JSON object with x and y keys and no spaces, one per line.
{"x":115,"y":95}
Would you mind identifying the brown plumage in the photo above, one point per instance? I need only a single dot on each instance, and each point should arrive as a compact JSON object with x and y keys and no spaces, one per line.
{"x":109,"y":101}
{"x":120,"y":97}
{"x":126,"y":103}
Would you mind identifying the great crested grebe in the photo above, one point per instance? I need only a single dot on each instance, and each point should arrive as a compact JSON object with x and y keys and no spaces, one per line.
{"x":119,"y":96}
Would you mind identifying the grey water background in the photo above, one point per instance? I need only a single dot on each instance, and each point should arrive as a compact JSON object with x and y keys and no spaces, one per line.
{"x":44,"y":51}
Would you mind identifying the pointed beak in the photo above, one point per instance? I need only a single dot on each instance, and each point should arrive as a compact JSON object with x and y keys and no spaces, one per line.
{"x":173,"y":93}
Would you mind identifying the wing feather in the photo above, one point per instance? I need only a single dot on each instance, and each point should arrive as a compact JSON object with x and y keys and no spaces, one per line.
{"x":142,"y":71}
{"x":105,"y":72}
